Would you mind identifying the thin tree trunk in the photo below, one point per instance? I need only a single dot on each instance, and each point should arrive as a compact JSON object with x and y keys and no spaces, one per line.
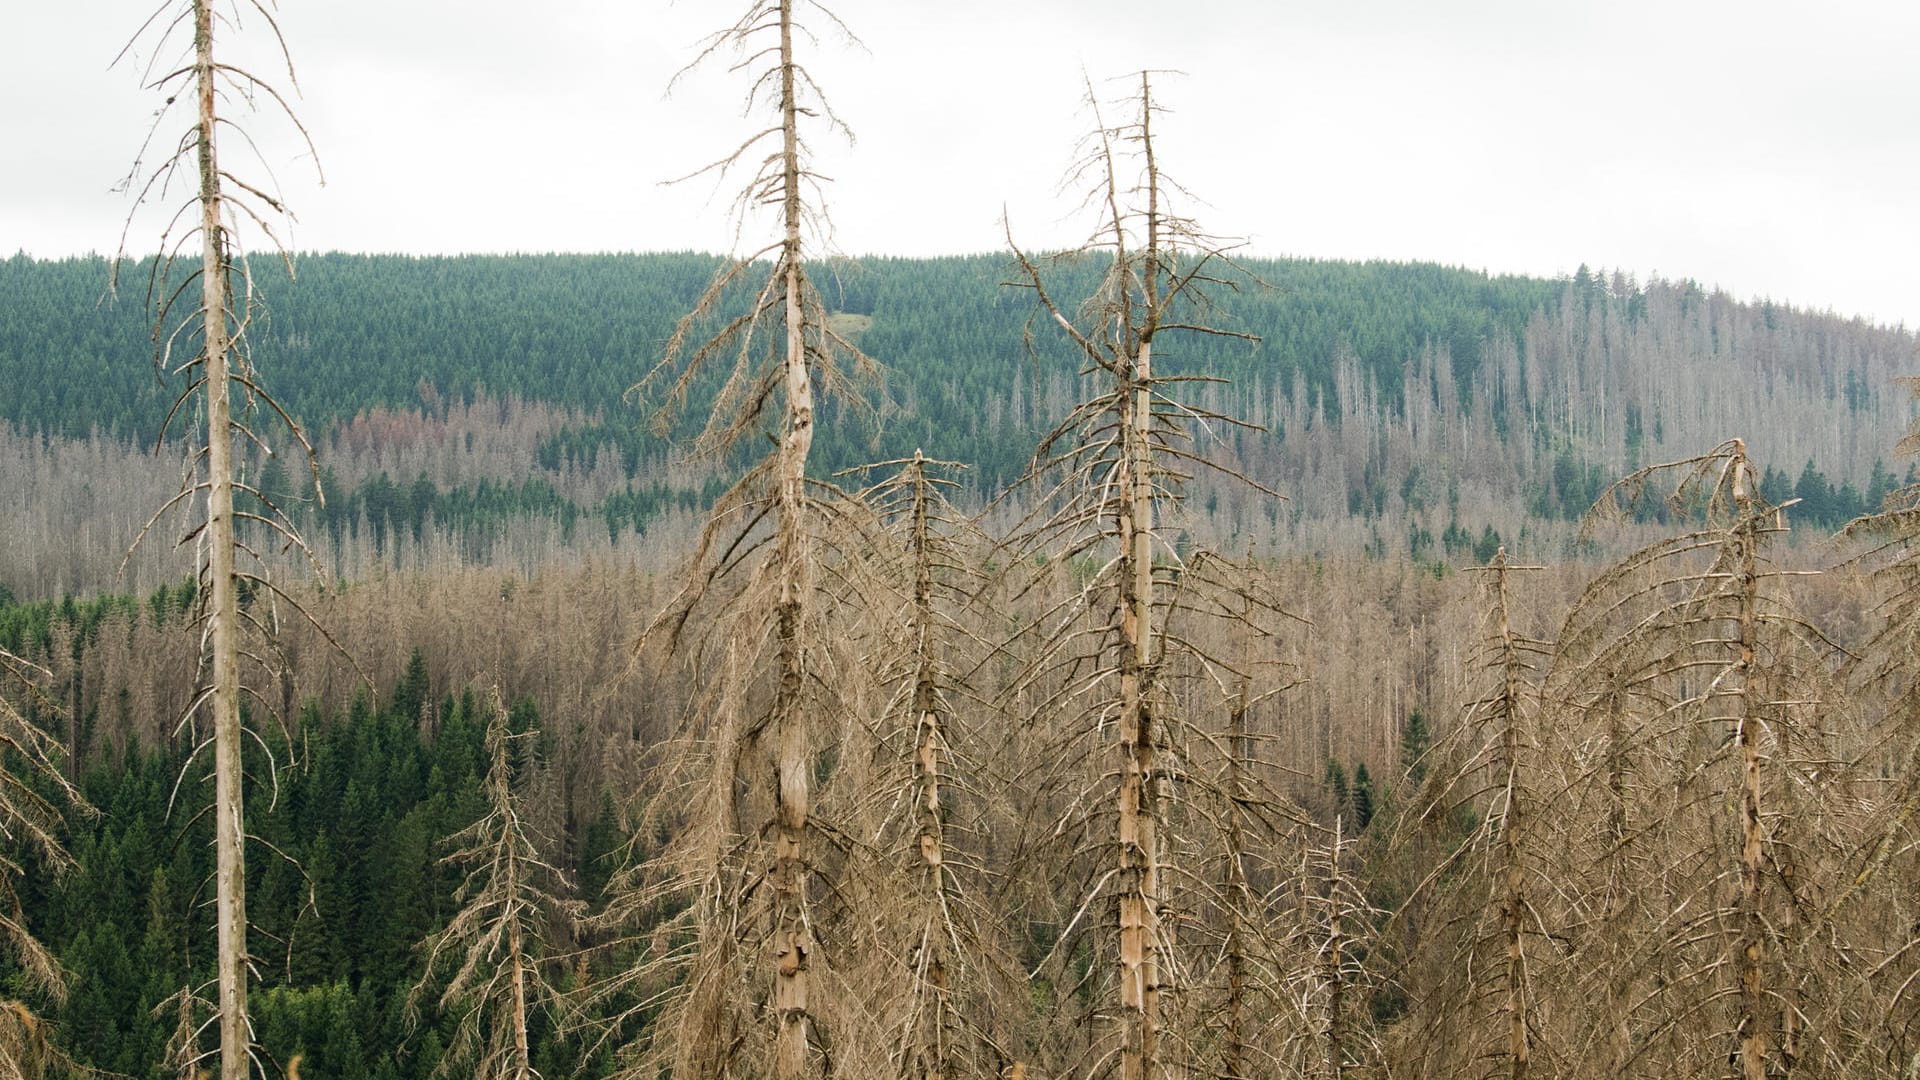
{"x":927,"y":767}
{"x":1139,"y":810}
{"x":1616,"y":704}
{"x":1514,"y":914}
{"x":1239,"y":896}
{"x":1333,"y":974}
{"x":516,"y":958}
{"x":1753,"y":1003}
{"x":1138,"y":832}
{"x":792,"y":942}
{"x":229,"y":830}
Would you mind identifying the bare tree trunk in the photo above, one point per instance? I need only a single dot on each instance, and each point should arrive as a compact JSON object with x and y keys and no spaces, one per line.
{"x":1616,"y":705}
{"x":1139,"y":843}
{"x":1514,"y":915}
{"x":223,"y":608}
{"x":930,"y":749}
{"x":1239,"y":896}
{"x":517,"y":960}
{"x":792,"y":943}
{"x":1333,"y":975}
{"x":1753,"y":997}
{"x":1139,"y":811}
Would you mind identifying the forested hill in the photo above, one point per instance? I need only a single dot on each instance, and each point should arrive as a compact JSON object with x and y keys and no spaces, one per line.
{"x":359,"y":332}
{"x":1401,"y":402}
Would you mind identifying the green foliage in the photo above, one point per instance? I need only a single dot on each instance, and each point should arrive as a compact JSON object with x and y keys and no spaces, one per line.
{"x":338,"y":916}
{"x":1338,"y":791}
{"x":1415,"y":741}
{"x":367,"y":331}
{"x":1362,"y":797}
{"x":429,"y":333}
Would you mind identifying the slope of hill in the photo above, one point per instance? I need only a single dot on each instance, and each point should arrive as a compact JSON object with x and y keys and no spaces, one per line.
{"x":1406,"y":406}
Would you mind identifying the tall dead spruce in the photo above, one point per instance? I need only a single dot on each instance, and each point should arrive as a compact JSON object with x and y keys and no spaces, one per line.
{"x":1875,"y":910}
{"x":1098,"y":482}
{"x":935,"y":968}
{"x":1238,"y":1012}
{"x":209,"y":326}
{"x":1689,"y":688}
{"x":734,"y":951}
{"x":1476,"y":1010}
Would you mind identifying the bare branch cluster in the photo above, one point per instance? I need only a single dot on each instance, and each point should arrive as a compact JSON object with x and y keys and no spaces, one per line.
{"x":1118,"y":643}
{"x":487,"y":959}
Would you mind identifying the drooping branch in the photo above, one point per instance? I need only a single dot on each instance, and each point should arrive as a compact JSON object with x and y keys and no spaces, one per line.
{"x":769,"y":576}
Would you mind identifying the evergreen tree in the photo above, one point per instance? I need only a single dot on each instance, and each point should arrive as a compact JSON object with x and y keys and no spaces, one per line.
{"x":1338,"y":790}
{"x":1815,"y":493}
{"x":1415,"y":740}
{"x":1362,"y":797}
{"x":1879,"y":486}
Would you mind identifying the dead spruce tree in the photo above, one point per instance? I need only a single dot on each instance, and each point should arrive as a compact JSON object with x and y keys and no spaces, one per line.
{"x":1690,"y":688}
{"x":1238,"y":1011}
{"x":1098,"y":481}
{"x":1325,"y":1031}
{"x":203,"y":317}
{"x":934,"y":962}
{"x":1475,"y":1013}
{"x":1874,"y":910}
{"x":492,"y":945}
{"x":731,"y":901}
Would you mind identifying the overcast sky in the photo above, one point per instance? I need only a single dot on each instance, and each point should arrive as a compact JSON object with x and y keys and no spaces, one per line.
{"x":1769,"y":148}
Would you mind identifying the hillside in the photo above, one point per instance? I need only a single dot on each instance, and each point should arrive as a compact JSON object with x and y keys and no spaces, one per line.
{"x":476,"y":409}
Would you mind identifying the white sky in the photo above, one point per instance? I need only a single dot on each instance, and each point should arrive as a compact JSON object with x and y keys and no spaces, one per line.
{"x":1770,"y":148}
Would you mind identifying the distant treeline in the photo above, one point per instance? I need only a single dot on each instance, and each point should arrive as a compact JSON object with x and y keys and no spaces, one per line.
{"x":357,"y":332}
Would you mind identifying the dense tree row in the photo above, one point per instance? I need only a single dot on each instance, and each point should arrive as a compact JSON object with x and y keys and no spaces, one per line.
{"x":361,"y":332}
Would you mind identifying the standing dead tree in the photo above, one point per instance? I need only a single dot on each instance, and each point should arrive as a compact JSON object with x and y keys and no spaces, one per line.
{"x":937,"y":968}
{"x":211,"y":327}
{"x":1098,"y":482}
{"x":1238,"y":1011}
{"x":737,"y":887}
{"x":1323,"y":964}
{"x":508,"y":906}
{"x":1708,"y":959}
{"x":1874,"y":911}
{"x":1477,"y":1011}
